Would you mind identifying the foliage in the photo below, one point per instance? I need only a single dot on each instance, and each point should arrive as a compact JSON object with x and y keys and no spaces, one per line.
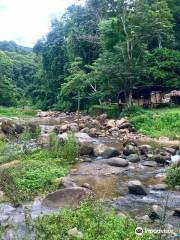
{"x":173,"y":176}
{"x":67,"y":150}
{"x":132,"y":111}
{"x":163,"y":67}
{"x":8,"y":151}
{"x":112,"y":111}
{"x":25,"y":112}
{"x":156,"y":123}
{"x":34,"y":172}
{"x":90,"y":219}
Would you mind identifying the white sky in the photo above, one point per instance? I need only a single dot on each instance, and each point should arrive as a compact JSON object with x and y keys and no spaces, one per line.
{"x":26,"y":21}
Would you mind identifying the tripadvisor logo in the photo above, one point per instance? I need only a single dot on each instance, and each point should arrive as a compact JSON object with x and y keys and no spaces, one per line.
{"x":139,"y":231}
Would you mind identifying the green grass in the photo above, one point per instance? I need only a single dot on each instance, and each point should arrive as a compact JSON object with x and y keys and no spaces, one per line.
{"x":157,"y":122}
{"x":91,"y":220}
{"x":34,"y":174}
{"x":10,"y":112}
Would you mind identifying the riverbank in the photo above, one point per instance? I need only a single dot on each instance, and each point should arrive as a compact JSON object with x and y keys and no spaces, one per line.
{"x":113,"y":166}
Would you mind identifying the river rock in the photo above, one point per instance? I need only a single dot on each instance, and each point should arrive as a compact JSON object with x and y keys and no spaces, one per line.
{"x":64,"y":128}
{"x":67,"y":197}
{"x":111,"y":124}
{"x":85,"y":130}
{"x":19,"y":128}
{"x":116,"y":162}
{"x":176,"y":212}
{"x":149,"y":163}
{"x":160,"y":159}
{"x":74,"y":233}
{"x":105,"y":151}
{"x":160,"y":187}
{"x":134,"y":158}
{"x":170,"y":150}
{"x":66,"y":182}
{"x":122,"y":123}
{"x":8,"y":127}
{"x":144,"y":219}
{"x":95,"y":123}
{"x":145,"y":149}
{"x":136,"y":187}
{"x":130,"y":149}
{"x":156,"y":212}
{"x":93,"y":132}
{"x":86,"y":148}
{"x":175,"y":160}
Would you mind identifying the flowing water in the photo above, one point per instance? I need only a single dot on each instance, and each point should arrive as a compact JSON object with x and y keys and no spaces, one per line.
{"x":107,"y":183}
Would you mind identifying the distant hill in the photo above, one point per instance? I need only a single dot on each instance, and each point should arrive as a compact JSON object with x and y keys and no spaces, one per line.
{"x":11,"y":46}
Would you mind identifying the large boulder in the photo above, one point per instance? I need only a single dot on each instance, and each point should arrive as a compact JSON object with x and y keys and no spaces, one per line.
{"x":105,"y":151}
{"x":136,"y":187}
{"x":116,"y":162}
{"x":134,"y":158}
{"x":66,"y":197}
{"x":130,"y":149}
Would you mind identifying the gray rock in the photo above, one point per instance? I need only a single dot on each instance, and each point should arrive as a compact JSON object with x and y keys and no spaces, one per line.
{"x":156,"y":212}
{"x":136,"y":187}
{"x":149,"y":164}
{"x":66,"y":197}
{"x":86,"y":149}
{"x":130,"y":149}
{"x":145,"y":149}
{"x":105,"y":151}
{"x":176,"y":212}
{"x":170,"y":150}
{"x":144,"y":219}
{"x":66,"y":182}
{"x":160,"y":187}
{"x":134,"y":158}
{"x":160,"y":159}
{"x":116,"y":162}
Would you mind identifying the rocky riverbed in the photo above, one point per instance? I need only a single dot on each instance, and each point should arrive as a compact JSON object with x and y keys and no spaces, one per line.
{"x":117,"y":166}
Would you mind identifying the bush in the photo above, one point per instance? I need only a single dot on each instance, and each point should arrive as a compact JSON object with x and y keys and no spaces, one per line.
{"x":67,"y":150}
{"x":90,"y":219}
{"x":132,"y":111}
{"x":157,"y":123}
{"x":8,"y":151}
{"x":113,"y":111}
{"x":173,"y":176}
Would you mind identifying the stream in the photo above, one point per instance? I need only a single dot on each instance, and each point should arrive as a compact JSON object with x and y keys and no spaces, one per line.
{"x":109,"y":184}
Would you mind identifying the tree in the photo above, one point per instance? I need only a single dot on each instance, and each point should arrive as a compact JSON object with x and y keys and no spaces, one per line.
{"x":163,"y":68}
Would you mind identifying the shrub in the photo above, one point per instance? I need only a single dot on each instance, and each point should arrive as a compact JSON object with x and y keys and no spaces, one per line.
{"x":8,"y":151}
{"x":90,"y":219}
{"x":67,"y":150}
{"x":173,"y":176}
{"x":132,"y":111}
{"x":113,"y":111}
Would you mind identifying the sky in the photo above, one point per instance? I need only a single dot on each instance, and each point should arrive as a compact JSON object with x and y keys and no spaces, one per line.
{"x":26,"y":21}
